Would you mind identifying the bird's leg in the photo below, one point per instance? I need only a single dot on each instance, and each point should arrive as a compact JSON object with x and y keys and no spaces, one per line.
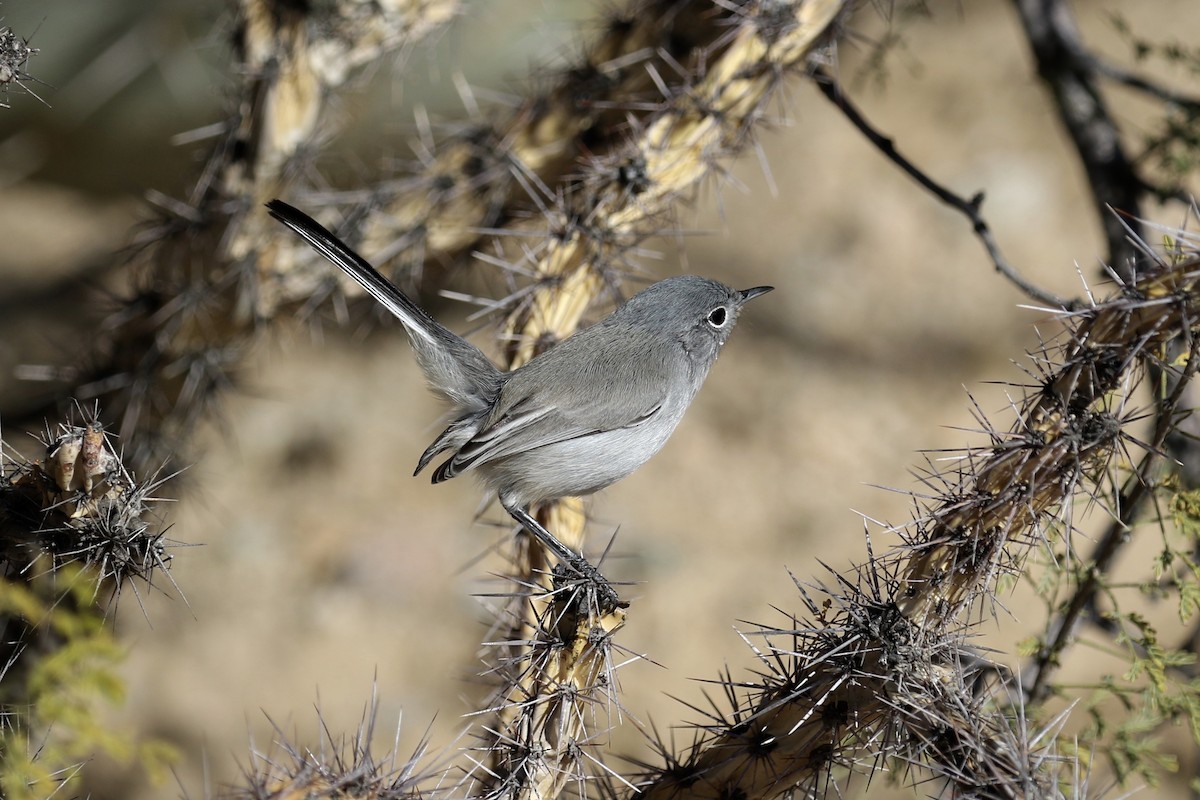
{"x":605,"y":594}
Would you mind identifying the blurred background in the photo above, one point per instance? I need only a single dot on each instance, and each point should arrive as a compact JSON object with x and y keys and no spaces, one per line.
{"x":318,"y":571}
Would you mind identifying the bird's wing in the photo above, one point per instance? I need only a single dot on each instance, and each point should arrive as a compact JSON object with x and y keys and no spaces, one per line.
{"x":523,"y":431}
{"x":595,"y":390}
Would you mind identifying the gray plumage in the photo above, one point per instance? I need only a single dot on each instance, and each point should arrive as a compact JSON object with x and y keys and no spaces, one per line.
{"x":576,"y":418}
{"x":595,"y":407}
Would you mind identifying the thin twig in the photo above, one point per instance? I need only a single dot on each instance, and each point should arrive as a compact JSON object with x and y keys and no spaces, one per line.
{"x":832,"y":90}
{"x":1129,"y":78}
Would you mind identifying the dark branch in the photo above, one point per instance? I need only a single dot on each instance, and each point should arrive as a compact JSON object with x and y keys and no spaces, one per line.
{"x":1070,"y":72}
{"x":970,"y":208}
{"x":1129,"y":78}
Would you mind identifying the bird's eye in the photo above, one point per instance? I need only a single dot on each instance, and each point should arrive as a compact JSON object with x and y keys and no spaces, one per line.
{"x":717,"y":316}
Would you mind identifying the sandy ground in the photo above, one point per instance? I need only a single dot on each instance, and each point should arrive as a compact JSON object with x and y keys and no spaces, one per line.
{"x":323,"y":569}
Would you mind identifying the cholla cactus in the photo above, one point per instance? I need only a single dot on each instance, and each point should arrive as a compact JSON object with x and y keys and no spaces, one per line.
{"x":558,"y":681}
{"x":79,"y":504}
{"x":555,"y":196}
{"x":76,"y":528}
{"x":15,"y":53}
{"x":877,"y":668}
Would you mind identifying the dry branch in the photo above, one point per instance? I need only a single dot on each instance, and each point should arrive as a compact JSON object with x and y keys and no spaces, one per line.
{"x":541,"y":727}
{"x":870,"y":667}
{"x":195,"y":292}
{"x":76,"y":529}
{"x":79,"y":504}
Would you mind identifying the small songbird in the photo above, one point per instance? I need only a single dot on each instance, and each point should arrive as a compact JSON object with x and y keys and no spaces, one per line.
{"x":579,"y":416}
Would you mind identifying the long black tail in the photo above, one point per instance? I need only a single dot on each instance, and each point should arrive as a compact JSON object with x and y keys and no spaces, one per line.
{"x":413,"y":316}
{"x":454,"y":367}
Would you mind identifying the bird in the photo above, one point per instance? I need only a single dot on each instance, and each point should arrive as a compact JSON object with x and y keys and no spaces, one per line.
{"x":577,"y":417}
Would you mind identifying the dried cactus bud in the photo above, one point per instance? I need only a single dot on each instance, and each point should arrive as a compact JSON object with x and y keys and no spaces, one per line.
{"x":82,"y":469}
{"x":80,"y":504}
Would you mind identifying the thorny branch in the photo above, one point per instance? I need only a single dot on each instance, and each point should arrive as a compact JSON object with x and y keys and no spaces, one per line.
{"x":1116,"y":535}
{"x":538,"y":735}
{"x":872,"y":668}
{"x":858,"y":675}
{"x":1139,"y":487}
{"x":15,"y":53}
{"x":1069,"y":68}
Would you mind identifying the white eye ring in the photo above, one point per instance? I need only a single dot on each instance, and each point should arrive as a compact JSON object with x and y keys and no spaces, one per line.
{"x":718,"y":317}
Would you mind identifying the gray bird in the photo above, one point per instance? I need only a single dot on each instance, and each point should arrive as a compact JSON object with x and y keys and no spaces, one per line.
{"x":579,"y":416}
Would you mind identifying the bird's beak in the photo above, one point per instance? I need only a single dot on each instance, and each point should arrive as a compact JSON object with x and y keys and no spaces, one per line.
{"x":750,"y":294}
